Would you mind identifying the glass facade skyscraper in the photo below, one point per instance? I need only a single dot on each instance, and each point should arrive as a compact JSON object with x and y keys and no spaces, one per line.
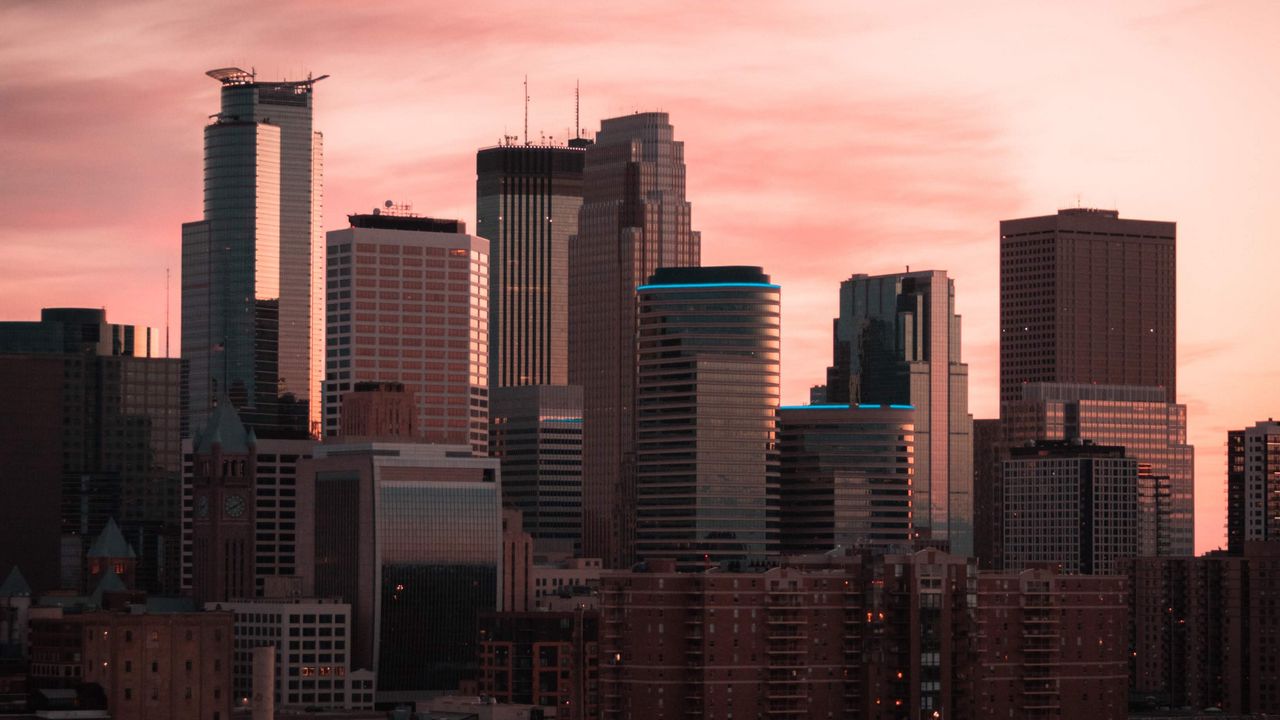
{"x":527,"y":202}
{"x":1152,"y":431}
{"x":897,"y":342}
{"x":253,"y":268}
{"x":846,"y":477}
{"x":411,"y":535}
{"x":634,"y":219}
{"x":536,"y":431}
{"x":708,"y":384}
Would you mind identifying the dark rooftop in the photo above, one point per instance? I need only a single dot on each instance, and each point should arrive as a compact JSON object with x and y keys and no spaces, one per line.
{"x":407,"y":222}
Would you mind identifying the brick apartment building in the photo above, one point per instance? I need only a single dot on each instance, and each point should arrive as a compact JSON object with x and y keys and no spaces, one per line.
{"x":904,"y":636}
{"x":1205,"y":631}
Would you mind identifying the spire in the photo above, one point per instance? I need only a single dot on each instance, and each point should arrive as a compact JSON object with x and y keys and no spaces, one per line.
{"x":226,"y":429}
{"x":15,"y":585}
{"x":111,"y":543}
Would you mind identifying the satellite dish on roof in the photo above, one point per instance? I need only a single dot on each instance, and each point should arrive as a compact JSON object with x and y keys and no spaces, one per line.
{"x":388,"y":204}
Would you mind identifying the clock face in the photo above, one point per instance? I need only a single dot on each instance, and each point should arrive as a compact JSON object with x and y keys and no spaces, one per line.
{"x":202,"y":506}
{"x":234,"y":506}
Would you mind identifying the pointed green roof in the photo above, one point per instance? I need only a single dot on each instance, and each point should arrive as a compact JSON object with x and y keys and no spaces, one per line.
{"x":225,"y":428}
{"x":110,"y":583}
{"x":15,"y":585}
{"x":111,"y":543}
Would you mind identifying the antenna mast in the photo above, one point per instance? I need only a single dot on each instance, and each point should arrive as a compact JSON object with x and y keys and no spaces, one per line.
{"x":166,"y":312}
{"x":577,"y":107}
{"x":526,"y":109}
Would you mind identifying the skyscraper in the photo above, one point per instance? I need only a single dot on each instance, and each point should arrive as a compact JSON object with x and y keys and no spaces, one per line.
{"x":1086,"y":297}
{"x":634,"y":219}
{"x":253,"y":268}
{"x":89,"y":432}
{"x":408,"y":304}
{"x":413,"y":540}
{"x":707,"y":391}
{"x":536,"y":431}
{"x":527,"y":202}
{"x":1151,"y":429}
{"x":845,"y":477}
{"x":1070,"y":504}
{"x":897,"y":342}
{"x":1253,"y":485}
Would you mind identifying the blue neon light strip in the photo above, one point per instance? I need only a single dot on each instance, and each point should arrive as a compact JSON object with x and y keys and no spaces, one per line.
{"x":563,"y":420}
{"x":708,"y":285}
{"x":903,"y":407}
{"x":868,"y":406}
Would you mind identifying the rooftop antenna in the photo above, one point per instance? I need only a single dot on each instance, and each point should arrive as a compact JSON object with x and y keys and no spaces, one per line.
{"x":166,"y":311}
{"x":577,"y":109}
{"x":526,"y":109}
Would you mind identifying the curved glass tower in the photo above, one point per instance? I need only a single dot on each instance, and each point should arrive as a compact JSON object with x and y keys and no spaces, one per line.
{"x":253,"y":268}
{"x":706,"y":396}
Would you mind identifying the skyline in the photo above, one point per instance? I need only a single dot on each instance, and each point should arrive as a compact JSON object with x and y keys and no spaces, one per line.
{"x":916,"y":166}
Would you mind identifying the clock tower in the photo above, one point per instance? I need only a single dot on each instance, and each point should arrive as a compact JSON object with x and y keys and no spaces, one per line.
{"x":222,"y":510}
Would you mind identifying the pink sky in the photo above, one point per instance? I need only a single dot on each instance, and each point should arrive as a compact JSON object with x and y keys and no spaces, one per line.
{"x":821,"y":140}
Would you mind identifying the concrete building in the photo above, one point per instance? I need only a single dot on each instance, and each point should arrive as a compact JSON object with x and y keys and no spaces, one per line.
{"x":517,"y":563}
{"x":311,"y":664}
{"x":1087,"y":297}
{"x":90,"y":432}
{"x":536,"y":431}
{"x":845,"y":477}
{"x":634,"y":219}
{"x":527,"y":203}
{"x":151,"y":666}
{"x":1203,"y":630}
{"x":1253,"y":485}
{"x":413,"y":541}
{"x":408,"y":303}
{"x":547,"y":659}
{"x":1151,"y":429}
{"x":707,"y":390}
{"x":897,"y":342}
{"x":253,"y":267}
{"x":566,"y":584}
{"x":378,"y":412}
{"x":1027,"y":666}
{"x":1072,"y":505}
{"x":241,"y":524}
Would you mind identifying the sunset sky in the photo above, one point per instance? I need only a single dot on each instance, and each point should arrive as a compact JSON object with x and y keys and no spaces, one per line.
{"x":822,"y":140}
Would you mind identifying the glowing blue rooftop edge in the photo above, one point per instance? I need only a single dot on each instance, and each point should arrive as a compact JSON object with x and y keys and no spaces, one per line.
{"x":709,"y":285}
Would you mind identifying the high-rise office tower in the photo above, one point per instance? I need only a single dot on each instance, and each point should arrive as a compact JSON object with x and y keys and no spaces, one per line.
{"x":845,"y":477}
{"x":1253,"y":485}
{"x":536,"y":431}
{"x":1070,"y":504}
{"x":88,"y":432}
{"x":706,"y":396}
{"x":1086,"y":297}
{"x":897,"y":342}
{"x":527,"y":202}
{"x":1150,"y":428}
{"x":988,"y":515}
{"x":253,"y":268}
{"x":634,"y":220}
{"x":408,"y":303}
{"x":412,"y":538}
